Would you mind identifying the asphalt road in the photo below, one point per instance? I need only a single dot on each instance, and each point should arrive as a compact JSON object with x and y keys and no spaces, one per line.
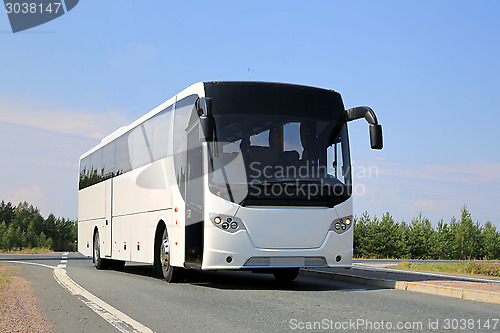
{"x":241,"y":302}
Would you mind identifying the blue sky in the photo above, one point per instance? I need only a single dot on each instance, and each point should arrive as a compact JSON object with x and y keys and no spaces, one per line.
{"x":430,"y":70}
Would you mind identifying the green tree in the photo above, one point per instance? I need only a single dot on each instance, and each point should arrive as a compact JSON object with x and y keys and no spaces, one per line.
{"x":443,"y":242}
{"x":31,"y":235}
{"x":43,"y":241}
{"x":467,"y":237}
{"x":23,"y":226}
{"x":3,"y":233}
{"x":402,"y":240}
{"x":9,"y":238}
{"x":19,"y":238}
{"x":361,"y":235}
{"x":420,"y":237}
{"x":6,"y":212}
{"x":491,"y":241}
{"x":383,"y":237}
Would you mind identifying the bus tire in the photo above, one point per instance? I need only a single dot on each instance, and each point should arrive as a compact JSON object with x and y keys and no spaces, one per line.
{"x":286,"y":275}
{"x":170,"y":273}
{"x":99,"y":263}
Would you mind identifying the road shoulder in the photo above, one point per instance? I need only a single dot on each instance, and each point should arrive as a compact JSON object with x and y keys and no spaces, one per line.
{"x":19,"y":310}
{"x":62,"y":310}
{"x":442,"y":286}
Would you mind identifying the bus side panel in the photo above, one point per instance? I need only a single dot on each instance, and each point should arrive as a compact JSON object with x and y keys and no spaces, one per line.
{"x":120,"y":239}
{"x":176,"y":228}
{"x":92,"y":202}
{"x":85,"y":234}
{"x":345,"y":208}
{"x":134,"y":235}
{"x":141,"y":198}
{"x":142,"y":190}
{"x":91,"y":213}
{"x":142,"y":237}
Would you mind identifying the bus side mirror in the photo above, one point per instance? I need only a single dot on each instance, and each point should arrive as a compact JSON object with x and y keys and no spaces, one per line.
{"x":375,"y":129}
{"x":204,"y":106}
{"x":376,"y":136}
{"x":206,"y":128}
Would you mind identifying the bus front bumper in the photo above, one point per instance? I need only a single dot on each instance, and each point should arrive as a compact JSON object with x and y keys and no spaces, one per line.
{"x":236,"y":251}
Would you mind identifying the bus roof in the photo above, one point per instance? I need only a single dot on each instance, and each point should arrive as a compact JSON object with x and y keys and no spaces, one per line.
{"x":196,"y":88}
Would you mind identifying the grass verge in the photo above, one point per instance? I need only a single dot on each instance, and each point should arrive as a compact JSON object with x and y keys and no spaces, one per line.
{"x":35,"y":250}
{"x":492,"y":270}
{"x":5,"y":275}
{"x":6,"y":272}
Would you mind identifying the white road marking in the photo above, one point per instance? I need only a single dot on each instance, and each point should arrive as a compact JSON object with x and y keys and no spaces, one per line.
{"x":115,"y":317}
{"x":65,"y":253}
{"x":31,"y":263}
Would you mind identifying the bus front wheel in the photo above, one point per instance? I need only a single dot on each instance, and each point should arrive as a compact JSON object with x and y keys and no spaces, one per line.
{"x":170,"y":273}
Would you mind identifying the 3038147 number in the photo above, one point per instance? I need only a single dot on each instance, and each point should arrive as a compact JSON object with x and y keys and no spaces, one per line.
{"x":470,"y":324}
{"x":32,"y":8}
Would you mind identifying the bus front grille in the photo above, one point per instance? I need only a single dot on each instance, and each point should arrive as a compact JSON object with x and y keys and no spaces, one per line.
{"x":286,"y":262}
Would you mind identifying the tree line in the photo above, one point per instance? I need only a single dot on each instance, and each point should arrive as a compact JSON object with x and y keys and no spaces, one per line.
{"x":23,"y":226}
{"x":459,"y":239}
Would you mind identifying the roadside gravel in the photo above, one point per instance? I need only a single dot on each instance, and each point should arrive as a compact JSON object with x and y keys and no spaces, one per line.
{"x":18,"y":304}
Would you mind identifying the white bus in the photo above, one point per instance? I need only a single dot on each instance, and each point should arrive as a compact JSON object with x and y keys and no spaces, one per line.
{"x":225,"y":175}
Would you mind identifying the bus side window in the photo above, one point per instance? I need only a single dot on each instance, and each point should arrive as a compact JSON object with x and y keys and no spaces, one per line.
{"x":182,"y":113}
{"x":84,"y":172}
{"x":96,"y":167}
{"x":161,"y":131}
{"x":335,"y":161}
{"x":122,"y":155}
{"x":108,"y":160}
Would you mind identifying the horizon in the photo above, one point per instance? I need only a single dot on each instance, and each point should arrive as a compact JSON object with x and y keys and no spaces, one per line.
{"x":428,"y":70}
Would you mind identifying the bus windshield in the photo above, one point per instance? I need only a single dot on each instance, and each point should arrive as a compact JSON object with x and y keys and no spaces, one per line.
{"x":278,"y":145}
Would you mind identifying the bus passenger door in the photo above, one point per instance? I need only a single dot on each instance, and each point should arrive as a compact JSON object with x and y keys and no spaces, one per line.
{"x":106,"y":230}
{"x":194,"y":199}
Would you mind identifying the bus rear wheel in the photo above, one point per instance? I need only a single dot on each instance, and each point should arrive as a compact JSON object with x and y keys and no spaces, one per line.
{"x":99,"y":263}
{"x":286,"y":275}
{"x":169,"y":273}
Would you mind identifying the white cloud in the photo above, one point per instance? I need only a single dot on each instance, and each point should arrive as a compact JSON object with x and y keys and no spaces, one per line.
{"x":33,"y":195}
{"x":59,"y":119}
{"x":36,"y":162}
{"x":438,"y":191}
{"x":41,"y":167}
{"x":433,"y":205}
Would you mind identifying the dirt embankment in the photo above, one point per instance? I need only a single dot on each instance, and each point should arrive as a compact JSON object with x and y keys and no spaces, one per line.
{"x":18,"y":303}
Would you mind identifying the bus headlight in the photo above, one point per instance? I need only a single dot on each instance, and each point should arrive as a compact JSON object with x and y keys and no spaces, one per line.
{"x":341,"y":225}
{"x":226,"y":223}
